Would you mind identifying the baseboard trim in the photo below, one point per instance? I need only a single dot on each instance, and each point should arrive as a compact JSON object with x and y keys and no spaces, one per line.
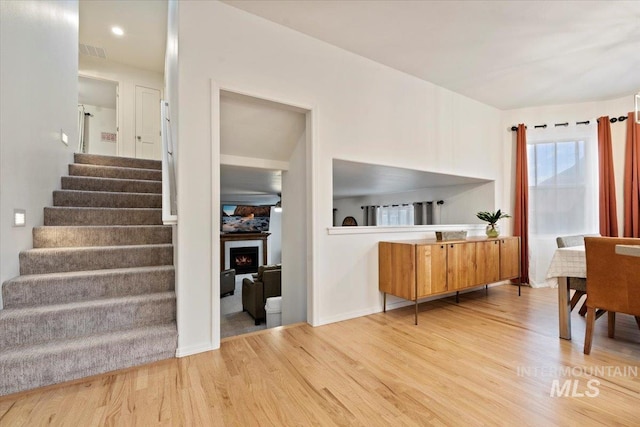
{"x":404,"y":303}
{"x":347,"y":316}
{"x":193,"y":349}
{"x":399,"y":303}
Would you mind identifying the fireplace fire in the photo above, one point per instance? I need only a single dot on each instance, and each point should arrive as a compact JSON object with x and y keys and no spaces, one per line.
{"x":244,"y":259}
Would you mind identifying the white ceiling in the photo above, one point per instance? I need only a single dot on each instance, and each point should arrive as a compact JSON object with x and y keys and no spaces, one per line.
{"x":249,"y":185}
{"x":258,"y":129}
{"x":505,"y":54}
{"x":352,"y":179}
{"x":145,"y":30}
{"x":252,"y":127}
{"x":508,"y":54}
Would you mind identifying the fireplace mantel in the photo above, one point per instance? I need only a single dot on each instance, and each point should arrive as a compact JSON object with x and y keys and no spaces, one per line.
{"x":234,"y":237}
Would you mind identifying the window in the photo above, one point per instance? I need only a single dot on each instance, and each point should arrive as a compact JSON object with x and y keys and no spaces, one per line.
{"x":395,"y":215}
{"x":558,"y":188}
{"x":563,"y":191}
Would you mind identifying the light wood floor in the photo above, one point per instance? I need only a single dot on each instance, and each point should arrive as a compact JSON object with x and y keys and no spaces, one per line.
{"x":489,"y":360}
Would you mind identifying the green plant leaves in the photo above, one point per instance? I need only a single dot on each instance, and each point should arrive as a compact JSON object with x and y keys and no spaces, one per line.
{"x":492,"y":217}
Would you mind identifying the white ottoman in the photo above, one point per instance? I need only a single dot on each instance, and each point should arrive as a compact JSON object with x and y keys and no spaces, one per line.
{"x":273,"y":307}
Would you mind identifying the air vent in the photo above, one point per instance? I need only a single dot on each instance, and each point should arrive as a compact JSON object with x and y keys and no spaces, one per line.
{"x":89,"y":50}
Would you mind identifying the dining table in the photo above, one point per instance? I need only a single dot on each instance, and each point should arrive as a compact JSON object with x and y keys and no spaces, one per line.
{"x":572,"y":262}
{"x":629,"y":250}
{"x":566,"y":262}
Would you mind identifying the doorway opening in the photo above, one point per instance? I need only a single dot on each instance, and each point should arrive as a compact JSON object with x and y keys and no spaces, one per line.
{"x":263,"y":157}
{"x":97,"y":116}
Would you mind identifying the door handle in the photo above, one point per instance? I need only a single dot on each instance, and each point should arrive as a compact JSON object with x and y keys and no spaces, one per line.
{"x":139,"y":137}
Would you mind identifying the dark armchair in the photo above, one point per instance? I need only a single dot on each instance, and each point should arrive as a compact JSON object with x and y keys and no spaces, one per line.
{"x":227,"y":282}
{"x":266,"y":284}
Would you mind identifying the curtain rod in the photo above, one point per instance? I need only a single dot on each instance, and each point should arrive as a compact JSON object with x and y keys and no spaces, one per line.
{"x":586,"y":122}
{"x":439,"y":202}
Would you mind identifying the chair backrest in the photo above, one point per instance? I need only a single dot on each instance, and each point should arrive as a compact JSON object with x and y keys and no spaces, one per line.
{"x":272,"y":280}
{"x":263,"y":268}
{"x":613,"y":281}
{"x":576,"y":240}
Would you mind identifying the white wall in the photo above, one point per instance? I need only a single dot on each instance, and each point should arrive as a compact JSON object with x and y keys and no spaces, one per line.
{"x":103,"y":120}
{"x":171,"y":96}
{"x":294,"y":236}
{"x":363,"y":112}
{"x":39,"y":81}
{"x":462,"y":202}
{"x":171,"y":70}
{"x":568,"y":113}
{"x":128,"y":78}
{"x":275,"y":238}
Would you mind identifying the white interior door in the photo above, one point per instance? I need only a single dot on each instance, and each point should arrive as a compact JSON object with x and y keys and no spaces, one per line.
{"x":148,"y":145}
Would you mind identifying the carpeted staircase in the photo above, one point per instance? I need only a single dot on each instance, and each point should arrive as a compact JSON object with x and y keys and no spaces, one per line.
{"x":96,"y":293}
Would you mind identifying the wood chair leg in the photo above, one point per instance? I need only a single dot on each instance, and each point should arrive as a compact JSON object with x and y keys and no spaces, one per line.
{"x":612,"y":323}
{"x":588,"y":335}
{"x":638,"y":321}
{"x":576,"y":298}
{"x":583,"y":309}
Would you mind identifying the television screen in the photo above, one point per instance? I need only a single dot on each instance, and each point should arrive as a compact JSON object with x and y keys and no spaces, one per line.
{"x":245,"y":219}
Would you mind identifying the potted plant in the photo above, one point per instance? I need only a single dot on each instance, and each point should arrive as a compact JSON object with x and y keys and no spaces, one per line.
{"x":492,"y":218}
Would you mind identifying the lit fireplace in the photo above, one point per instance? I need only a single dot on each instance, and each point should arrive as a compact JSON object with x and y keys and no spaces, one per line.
{"x":244,"y":259}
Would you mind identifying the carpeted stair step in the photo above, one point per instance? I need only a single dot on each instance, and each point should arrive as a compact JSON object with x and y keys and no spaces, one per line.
{"x":87,"y":183}
{"x":51,"y":363}
{"x":100,"y":235}
{"x":56,"y":260}
{"x":125,"y":162}
{"x":115,"y":172}
{"x":60,"y":288}
{"x":33,"y":325}
{"x":103,"y":199}
{"x":97,"y":292}
{"x":61,"y":215}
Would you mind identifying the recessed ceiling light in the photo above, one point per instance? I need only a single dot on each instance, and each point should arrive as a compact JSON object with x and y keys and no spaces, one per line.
{"x":117,"y":31}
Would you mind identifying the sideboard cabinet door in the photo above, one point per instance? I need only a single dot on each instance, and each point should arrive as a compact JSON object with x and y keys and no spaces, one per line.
{"x":509,"y":258}
{"x":396,"y":269}
{"x":487,"y":262}
{"x":461,"y":265}
{"x":431,"y":269}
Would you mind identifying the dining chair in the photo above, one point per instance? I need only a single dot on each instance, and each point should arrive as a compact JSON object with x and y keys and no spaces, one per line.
{"x":578,"y":284}
{"x":613,"y":282}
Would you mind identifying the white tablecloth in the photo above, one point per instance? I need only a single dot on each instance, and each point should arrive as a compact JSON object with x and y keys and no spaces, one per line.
{"x":568,"y":262}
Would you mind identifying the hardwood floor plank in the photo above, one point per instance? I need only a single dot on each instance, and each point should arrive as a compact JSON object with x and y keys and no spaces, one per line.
{"x":489,"y":360}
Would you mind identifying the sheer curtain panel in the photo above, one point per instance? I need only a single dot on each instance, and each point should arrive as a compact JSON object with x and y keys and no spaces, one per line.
{"x":563,"y":190}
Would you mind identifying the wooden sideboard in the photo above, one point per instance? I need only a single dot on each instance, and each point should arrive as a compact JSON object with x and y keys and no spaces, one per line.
{"x":416,"y":269}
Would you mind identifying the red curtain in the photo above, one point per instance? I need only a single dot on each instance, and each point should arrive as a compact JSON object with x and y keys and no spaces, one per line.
{"x":521,"y":211}
{"x":632,"y":179}
{"x":608,"y":213}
